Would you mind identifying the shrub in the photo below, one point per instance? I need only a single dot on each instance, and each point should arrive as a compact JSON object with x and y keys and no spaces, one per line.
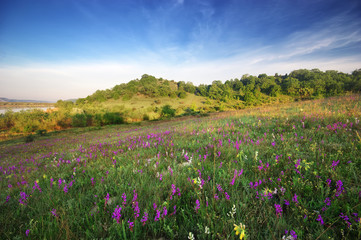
{"x":41,"y":132}
{"x":29,"y":138}
{"x":112,"y":118}
{"x":79,"y":120}
{"x":168,"y":111}
{"x":146,"y":117}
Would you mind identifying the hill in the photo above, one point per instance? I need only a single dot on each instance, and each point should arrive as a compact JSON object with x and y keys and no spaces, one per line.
{"x":147,"y":94}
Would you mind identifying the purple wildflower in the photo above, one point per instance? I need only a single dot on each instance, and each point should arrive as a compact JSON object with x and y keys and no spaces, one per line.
{"x":157,"y":216}
{"x":319,"y":219}
{"x":165,"y":212}
{"x":294,"y":198}
{"x":27,"y":232}
{"x":278,"y":210}
{"x":116,"y":213}
{"x":23,"y":198}
{"x":198,"y":205}
{"x":54,"y":212}
{"x":106,"y":199}
{"x":144,"y":218}
{"x":131,"y":225}
{"x":328,"y":182}
{"x":124,"y":199}
{"x":227,"y":196}
{"x":65,"y":188}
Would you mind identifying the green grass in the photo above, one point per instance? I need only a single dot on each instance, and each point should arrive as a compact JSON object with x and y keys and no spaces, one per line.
{"x":292,"y":149}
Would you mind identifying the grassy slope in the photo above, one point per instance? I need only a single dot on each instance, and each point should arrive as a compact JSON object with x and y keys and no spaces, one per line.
{"x":139,"y":105}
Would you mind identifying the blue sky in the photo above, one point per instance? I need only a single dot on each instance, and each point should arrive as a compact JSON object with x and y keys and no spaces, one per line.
{"x":61,"y":49}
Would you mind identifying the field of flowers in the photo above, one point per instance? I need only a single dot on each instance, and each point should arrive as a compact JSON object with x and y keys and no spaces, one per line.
{"x":288,"y":171}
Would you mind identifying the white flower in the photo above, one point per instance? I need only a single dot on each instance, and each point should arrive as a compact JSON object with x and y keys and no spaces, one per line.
{"x":191,"y":236}
{"x":232,"y":212}
{"x":207,"y":230}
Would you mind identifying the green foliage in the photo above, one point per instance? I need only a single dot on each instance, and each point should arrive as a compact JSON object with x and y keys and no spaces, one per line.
{"x":168,"y":111}
{"x":79,"y":120}
{"x":112,"y":118}
{"x":181,"y":94}
{"x":146,"y":117}
{"x":41,"y":132}
{"x":29,"y":138}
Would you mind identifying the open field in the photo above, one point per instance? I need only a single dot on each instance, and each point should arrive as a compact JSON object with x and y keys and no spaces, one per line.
{"x":288,"y":170}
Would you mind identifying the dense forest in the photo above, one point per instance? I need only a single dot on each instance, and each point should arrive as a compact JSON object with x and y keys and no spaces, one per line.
{"x":126,"y":102}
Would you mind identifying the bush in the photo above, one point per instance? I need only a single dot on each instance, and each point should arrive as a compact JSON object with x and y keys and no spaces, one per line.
{"x":145,"y":117}
{"x":79,"y":120}
{"x":29,"y":138}
{"x":182,"y":94}
{"x":112,"y":118}
{"x":168,"y":111}
{"x":98,"y":120}
{"x":41,"y":132}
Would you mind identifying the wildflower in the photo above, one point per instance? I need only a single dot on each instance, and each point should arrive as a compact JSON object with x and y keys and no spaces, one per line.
{"x":328,"y":201}
{"x":198,"y":205}
{"x":278,"y":210}
{"x":131,"y":225}
{"x":232,"y":212}
{"x":175,"y":210}
{"x":191,"y":236}
{"x":136,"y":210}
{"x":328,"y":182}
{"x":144,"y":218}
{"x":227,"y":196}
{"x":106,"y":199}
{"x":65,"y":188}
{"x":36,"y":186}
{"x":157,"y":216}
{"x":54,"y":212}
{"x":124,"y":199}
{"x":23,"y":198}
{"x":340,"y":189}
{"x":292,"y":236}
{"x":206,"y":230}
{"x":294,"y":198}
{"x":319,"y":219}
{"x":346,"y":219}
{"x":116,"y":213}
{"x":27,"y":232}
{"x":240,"y":230}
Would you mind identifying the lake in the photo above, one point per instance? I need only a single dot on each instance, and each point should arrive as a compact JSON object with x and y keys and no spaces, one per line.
{"x":3,"y":110}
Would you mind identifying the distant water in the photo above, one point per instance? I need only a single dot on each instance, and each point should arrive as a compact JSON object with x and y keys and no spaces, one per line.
{"x":3,"y":110}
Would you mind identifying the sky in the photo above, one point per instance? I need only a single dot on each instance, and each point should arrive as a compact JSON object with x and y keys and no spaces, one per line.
{"x":65,"y":49}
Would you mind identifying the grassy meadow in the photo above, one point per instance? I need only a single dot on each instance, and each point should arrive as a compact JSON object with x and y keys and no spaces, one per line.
{"x":288,"y":171}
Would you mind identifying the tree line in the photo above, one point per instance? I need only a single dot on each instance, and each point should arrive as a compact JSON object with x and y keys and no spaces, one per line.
{"x":302,"y":84}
